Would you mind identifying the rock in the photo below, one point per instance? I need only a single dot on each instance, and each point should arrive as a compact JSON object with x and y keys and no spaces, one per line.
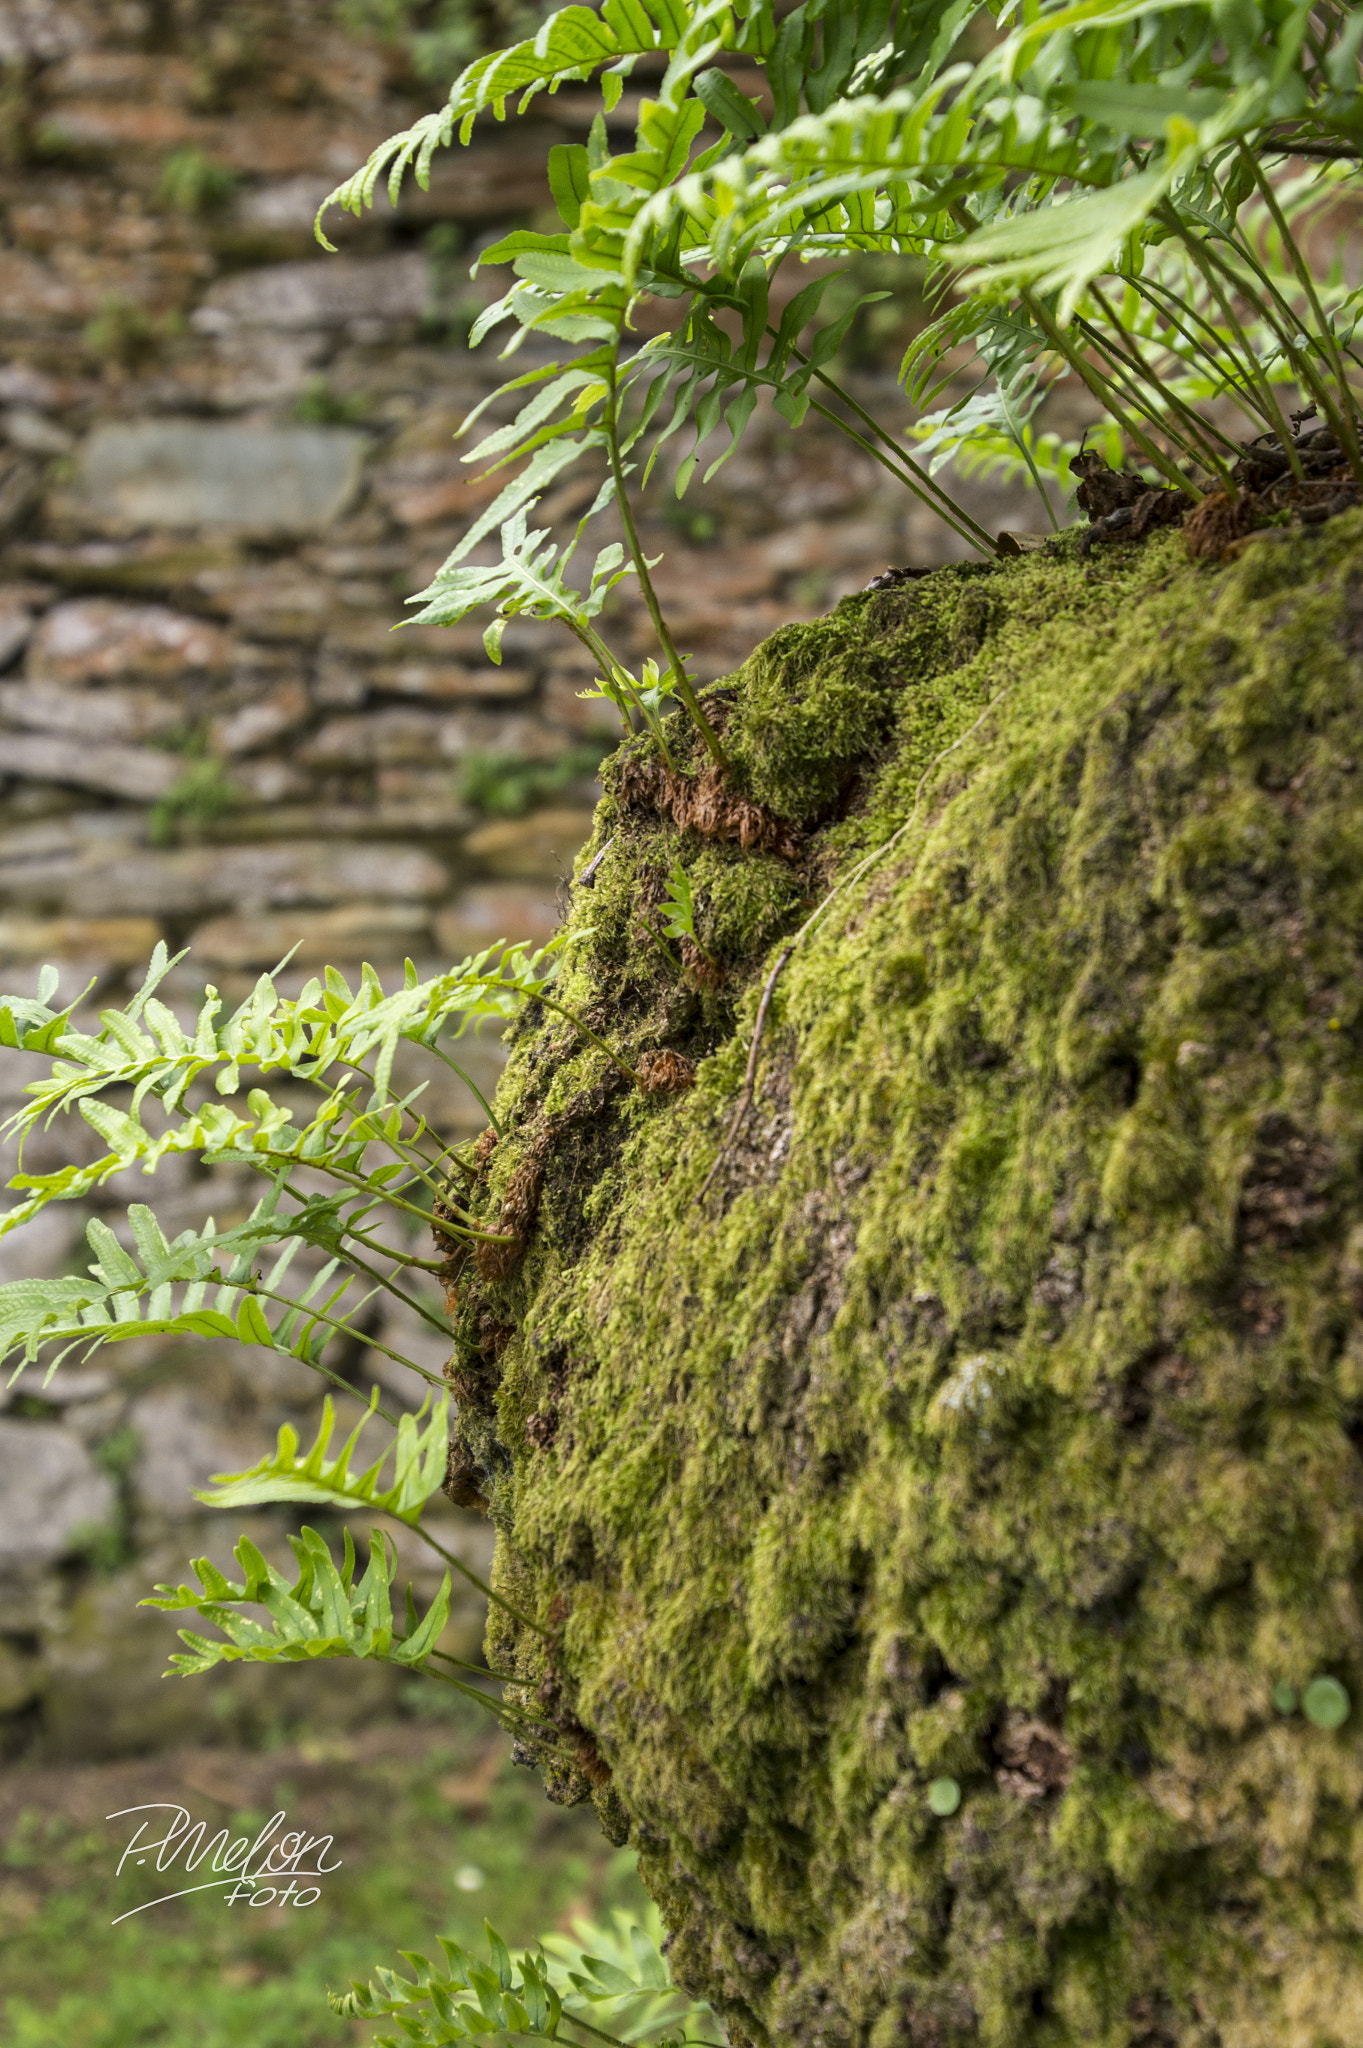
{"x":319,"y":293}
{"x":255,"y":725}
{"x":187,"y":473}
{"x":480,"y":917}
{"x":115,"y":941}
{"x":268,"y":782}
{"x":132,"y":772}
{"x":376,"y":737}
{"x":153,"y":566}
{"x":34,"y":433}
{"x":97,"y":640}
{"x":51,"y":1492}
{"x":103,"y":1689}
{"x":444,"y":681}
{"x":20,"y":1679}
{"x":538,"y":848}
{"x":202,"y":878}
{"x":182,"y":1443}
{"x":16,"y":621}
{"x":358,"y":931}
{"x":38,"y":29}
{"x":95,"y":715}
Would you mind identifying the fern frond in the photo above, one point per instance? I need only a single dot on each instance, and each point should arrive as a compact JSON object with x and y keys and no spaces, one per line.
{"x":419,"y":1458}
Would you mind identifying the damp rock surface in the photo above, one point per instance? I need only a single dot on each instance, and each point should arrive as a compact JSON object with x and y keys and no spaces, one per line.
{"x":989,"y":1411}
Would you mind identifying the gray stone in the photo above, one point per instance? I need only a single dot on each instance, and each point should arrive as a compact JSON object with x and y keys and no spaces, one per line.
{"x":320,"y":293}
{"x":93,"y":714}
{"x":187,"y":473}
{"x":540,"y":847}
{"x":104,"y":942}
{"x":50,"y":1491}
{"x":16,"y":624}
{"x":377,"y":738}
{"x":134,"y":772}
{"x":100,"y":640}
{"x":181,"y":1445}
{"x":203,"y":878}
{"x":255,"y":725}
{"x":480,"y":917}
{"x":357,"y":931}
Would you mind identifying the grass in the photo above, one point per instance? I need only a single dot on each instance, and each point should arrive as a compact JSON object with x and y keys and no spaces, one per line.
{"x":414,"y":1805}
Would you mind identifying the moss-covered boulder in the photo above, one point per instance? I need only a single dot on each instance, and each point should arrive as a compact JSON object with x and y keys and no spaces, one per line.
{"x":984,"y":1420}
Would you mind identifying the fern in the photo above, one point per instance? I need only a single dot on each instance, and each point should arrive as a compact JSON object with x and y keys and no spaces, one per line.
{"x":617,"y":1976}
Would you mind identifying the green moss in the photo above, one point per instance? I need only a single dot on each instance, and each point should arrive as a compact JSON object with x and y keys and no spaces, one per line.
{"x":992,"y":1415}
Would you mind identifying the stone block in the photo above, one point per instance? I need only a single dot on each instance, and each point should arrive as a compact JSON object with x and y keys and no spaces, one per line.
{"x":480,"y":917}
{"x":324,"y":292}
{"x":16,"y":622}
{"x":153,"y":566}
{"x":357,"y":931}
{"x":182,"y":1442}
{"x":541,"y":847}
{"x":133,"y":772}
{"x":194,"y":880}
{"x":104,"y":1695}
{"x":20,"y":1679}
{"x":198,"y":473}
{"x":257,"y":724}
{"x":94,"y":715}
{"x":268,"y":782}
{"x":51,"y":1491}
{"x":112,"y":941}
{"x":376,"y":738}
{"x":39,"y":29}
{"x":98,"y":640}
{"x":449,"y":681}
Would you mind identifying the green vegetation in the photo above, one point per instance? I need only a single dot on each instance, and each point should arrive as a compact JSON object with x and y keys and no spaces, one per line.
{"x":435,"y":1829}
{"x":195,"y":183}
{"x":1100,"y":195}
{"x":507,"y":785}
{"x":200,"y":795}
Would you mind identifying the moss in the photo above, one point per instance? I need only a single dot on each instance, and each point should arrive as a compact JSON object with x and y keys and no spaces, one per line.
{"x":993,"y":1413}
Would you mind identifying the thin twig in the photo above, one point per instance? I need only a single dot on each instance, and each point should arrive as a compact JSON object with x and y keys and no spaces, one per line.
{"x":749,"y":1079}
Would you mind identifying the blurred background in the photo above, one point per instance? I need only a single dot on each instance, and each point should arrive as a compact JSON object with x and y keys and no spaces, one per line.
{"x":225,"y":460}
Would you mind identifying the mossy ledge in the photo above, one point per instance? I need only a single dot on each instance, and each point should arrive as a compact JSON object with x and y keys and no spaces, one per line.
{"x":994,"y":1414}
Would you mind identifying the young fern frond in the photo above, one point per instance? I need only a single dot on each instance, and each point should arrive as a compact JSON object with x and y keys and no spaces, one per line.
{"x":607,"y":1984}
{"x":324,"y":1614}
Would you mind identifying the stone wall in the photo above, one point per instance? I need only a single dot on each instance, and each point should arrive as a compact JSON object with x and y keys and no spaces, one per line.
{"x":225,"y":459}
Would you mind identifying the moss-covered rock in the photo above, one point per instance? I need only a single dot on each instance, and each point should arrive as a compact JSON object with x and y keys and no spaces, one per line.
{"x":991,"y":1415}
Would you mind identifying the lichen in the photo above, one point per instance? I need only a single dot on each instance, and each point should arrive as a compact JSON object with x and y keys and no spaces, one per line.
{"x":993,"y":1414}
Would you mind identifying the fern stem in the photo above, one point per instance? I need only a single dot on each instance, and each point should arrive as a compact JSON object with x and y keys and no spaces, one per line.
{"x":469,"y":1083}
{"x":918,"y":481}
{"x":1349,"y":445}
{"x":470,"y":1575}
{"x":1156,"y":291}
{"x":536,"y":996}
{"x":317,"y":1315}
{"x":1126,"y":369}
{"x":1129,"y":346}
{"x":1313,"y":384}
{"x":681,"y":682}
{"x":1203,"y":257}
{"x":399,"y":1294}
{"x":1102,"y":390}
